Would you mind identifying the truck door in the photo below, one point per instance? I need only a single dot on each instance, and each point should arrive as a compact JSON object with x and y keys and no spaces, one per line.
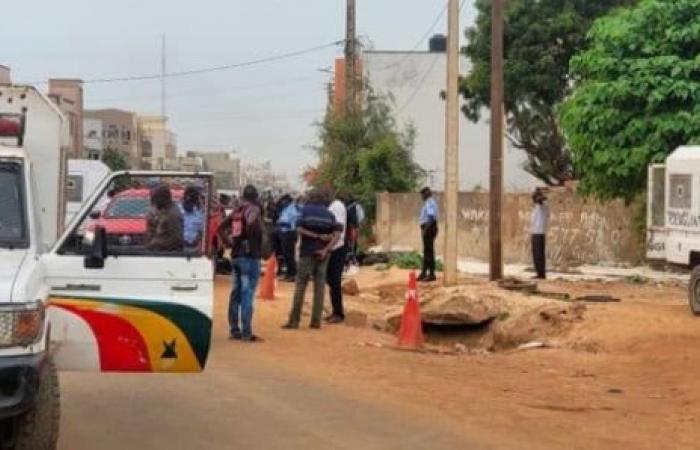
{"x":130,"y":284}
{"x":656,"y":213}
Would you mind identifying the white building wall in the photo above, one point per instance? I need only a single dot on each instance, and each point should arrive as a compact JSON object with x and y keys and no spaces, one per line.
{"x":415,"y":81}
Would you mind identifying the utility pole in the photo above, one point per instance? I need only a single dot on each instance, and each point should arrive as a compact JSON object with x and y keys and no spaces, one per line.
{"x":452,"y":144}
{"x":497,"y":113}
{"x":350,"y":57}
{"x":162,"y":76}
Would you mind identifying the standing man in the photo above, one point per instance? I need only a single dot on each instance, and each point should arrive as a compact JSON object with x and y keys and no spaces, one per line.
{"x":319,"y":233}
{"x":243,"y":231}
{"x":286,"y":231}
{"x":539,"y":221}
{"x":336,"y":263}
{"x":429,"y":231}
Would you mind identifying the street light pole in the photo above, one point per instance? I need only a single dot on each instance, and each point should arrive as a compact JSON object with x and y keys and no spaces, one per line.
{"x":452,"y":144}
{"x":497,"y":113}
{"x":350,"y":57}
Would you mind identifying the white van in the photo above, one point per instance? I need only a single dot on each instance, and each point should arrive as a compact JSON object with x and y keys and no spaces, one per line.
{"x":117,"y":291}
{"x":673,"y":216}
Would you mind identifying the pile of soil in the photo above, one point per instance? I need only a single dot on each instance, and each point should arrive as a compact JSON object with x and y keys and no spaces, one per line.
{"x":476,"y":314}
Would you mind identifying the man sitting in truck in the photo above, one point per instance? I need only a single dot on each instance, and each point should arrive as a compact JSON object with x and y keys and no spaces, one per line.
{"x":164,"y":230}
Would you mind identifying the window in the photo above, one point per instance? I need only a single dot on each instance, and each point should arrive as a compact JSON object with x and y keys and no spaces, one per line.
{"x":658,"y":194}
{"x":147,"y":216}
{"x":13,"y":226}
{"x":681,"y":194}
{"x":74,"y":188}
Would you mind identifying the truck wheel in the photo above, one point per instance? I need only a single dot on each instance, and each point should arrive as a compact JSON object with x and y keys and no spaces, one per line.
{"x":694,"y":291}
{"x":38,"y":429}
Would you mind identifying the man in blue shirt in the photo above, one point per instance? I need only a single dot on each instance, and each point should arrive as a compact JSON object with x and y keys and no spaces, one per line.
{"x":429,"y":231}
{"x":193,"y":218}
{"x":319,"y":233}
{"x":286,"y":236}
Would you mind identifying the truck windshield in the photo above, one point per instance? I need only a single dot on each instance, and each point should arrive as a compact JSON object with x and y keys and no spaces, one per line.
{"x":13,"y":227}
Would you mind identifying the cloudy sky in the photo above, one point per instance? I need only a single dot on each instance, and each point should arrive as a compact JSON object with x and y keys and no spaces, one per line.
{"x":266,"y":112}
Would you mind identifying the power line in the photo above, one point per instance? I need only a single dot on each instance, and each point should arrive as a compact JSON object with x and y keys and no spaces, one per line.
{"x":432,"y":66}
{"x":282,"y":83}
{"x":418,"y":86}
{"x":422,"y":39}
{"x":186,"y":73}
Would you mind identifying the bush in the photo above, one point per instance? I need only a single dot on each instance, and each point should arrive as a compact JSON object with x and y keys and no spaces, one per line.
{"x":412,"y":260}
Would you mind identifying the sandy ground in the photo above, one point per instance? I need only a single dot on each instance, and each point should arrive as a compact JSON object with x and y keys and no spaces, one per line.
{"x":625,"y":379}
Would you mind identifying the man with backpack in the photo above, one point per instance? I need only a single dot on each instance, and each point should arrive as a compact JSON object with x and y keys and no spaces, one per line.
{"x":243,"y":232}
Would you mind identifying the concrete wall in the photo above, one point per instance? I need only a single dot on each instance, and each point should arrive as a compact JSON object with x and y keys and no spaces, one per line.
{"x":581,"y":231}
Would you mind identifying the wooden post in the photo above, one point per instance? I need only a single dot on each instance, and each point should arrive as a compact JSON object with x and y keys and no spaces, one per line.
{"x":351,"y":77}
{"x":497,"y":114}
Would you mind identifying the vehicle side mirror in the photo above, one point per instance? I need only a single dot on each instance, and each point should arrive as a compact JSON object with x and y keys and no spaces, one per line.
{"x":98,"y":252}
{"x":95,"y":215}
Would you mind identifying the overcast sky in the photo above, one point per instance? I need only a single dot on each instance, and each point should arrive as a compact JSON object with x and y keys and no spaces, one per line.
{"x":266,"y":112}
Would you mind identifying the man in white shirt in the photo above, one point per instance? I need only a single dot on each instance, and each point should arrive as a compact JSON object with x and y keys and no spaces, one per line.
{"x":336,"y":263}
{"x":539,"y":221}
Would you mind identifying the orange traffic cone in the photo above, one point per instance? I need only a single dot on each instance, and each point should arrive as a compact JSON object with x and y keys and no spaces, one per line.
{"x":267,"y":287}
{"x":411,"y":331}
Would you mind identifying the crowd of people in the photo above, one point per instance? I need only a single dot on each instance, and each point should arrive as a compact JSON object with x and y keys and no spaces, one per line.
{"x":314,"y":239}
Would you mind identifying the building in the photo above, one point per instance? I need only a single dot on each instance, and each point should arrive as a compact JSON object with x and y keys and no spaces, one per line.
{"x":119,"y":132}
{"x":67,"y":94}
{"x":414,"y":81}
{"x":158,"y":143}
{"x":225,"y":165}
{"x":5,"y":75}
{"x":92,"y":138}
{"x":263,"y":177}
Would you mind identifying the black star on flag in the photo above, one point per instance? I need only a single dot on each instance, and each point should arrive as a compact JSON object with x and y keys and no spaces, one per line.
{"x":169,"y":350}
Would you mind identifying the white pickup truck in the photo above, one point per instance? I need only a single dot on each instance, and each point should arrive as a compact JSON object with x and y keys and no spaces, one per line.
{"x":102,"y":293}
{"x":673,"y":216}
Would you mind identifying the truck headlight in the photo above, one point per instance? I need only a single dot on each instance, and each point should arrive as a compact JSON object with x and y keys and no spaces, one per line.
{"x":21,"y":325}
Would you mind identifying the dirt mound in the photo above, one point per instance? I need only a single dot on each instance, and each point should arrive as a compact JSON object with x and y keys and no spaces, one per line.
{"x":539,"y":324}
{"x":478,"y":315}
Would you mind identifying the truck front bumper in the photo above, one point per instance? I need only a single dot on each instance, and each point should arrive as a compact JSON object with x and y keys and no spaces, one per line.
{"x":20,"y":377}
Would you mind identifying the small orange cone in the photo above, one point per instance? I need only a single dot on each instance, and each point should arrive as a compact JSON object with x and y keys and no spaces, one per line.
{"x":411,"y":331}
{"x":267,"y":287}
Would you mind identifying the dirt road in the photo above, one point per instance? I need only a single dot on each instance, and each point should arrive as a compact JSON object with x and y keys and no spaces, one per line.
{"x":625,"y":377}
{"x":246,"y":399}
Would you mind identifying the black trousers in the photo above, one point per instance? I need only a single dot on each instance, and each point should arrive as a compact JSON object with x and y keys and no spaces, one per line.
{"x":288,"y":243}
{"x":539,"y":255}
{"x":334,"y":278}
{"x":429,"y":233}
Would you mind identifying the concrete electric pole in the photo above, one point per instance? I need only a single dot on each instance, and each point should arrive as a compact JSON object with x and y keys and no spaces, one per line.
{"x":452,"y":144}
{"x":350,"y":57}
{"x":497,"y":113}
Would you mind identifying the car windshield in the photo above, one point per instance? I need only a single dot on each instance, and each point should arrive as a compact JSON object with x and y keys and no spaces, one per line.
{"x":13,"y":228}
{"x":128,"y":207}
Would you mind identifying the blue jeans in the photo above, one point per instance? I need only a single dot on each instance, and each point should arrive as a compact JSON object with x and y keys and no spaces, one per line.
{"x":246,"y":272}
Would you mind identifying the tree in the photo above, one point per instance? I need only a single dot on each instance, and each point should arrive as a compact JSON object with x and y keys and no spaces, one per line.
{"x":365,"y":153}
{"x":637,"y":97}
{"x":114,"y":159}
{"x":540,"y":38}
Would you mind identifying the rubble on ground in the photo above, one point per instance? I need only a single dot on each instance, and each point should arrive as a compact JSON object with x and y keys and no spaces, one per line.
{"x":477,"y":314}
